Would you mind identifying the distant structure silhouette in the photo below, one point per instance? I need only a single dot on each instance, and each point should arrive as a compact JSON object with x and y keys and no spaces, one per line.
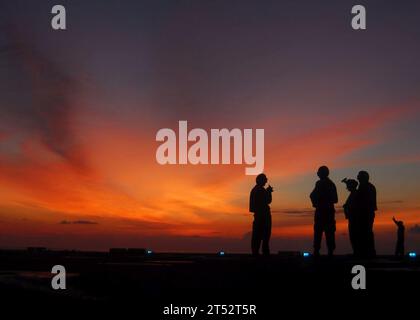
{"x":323,"y":198}
{"x":352,"y":214}
{"x":399,"y":248}
{"x":259,"y":203}
{"x":366,"y":195}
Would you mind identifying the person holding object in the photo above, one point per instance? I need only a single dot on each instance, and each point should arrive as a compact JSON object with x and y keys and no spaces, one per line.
{"x":259,"y":203}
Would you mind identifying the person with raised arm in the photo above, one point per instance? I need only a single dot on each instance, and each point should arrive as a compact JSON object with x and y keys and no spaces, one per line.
{"x":399,"y":248}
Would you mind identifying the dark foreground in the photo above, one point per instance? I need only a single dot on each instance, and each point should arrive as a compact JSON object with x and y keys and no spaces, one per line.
{"x":146,"y":284}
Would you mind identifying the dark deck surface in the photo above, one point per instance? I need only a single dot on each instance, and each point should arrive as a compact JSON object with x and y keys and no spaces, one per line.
{"x":148,"y":283}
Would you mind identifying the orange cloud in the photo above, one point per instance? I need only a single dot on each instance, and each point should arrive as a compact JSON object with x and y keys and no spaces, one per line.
{"x":300,"y":153}
{"x":123,"y":189}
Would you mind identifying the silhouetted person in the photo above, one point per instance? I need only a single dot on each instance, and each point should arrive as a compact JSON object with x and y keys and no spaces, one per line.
{"x":399,"y":249}
{"x":323,"y":198}
{"x":259,"y":203}
{"x":352,"y":214}
{"x":367,"y":206}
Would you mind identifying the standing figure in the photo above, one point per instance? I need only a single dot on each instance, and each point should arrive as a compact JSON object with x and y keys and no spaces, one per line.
{"x":399,"y":249}
{"x":351,"y":213}
{"x":323,"y":198}
{"x":367,"y":204}
{"x":259,"y":203}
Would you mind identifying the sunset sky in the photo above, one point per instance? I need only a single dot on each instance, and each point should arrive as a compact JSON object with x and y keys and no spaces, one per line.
{"x":79,"y":111}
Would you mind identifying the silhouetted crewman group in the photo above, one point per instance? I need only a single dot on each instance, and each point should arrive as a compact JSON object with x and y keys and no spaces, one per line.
{"x":359,"y":210}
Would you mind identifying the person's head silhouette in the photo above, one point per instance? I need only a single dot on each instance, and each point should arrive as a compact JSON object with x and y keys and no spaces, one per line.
{"x":261,"y":179}
{"x":363,"y":177}
{"x":323,"y":172}
{"x":351,"y":184}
